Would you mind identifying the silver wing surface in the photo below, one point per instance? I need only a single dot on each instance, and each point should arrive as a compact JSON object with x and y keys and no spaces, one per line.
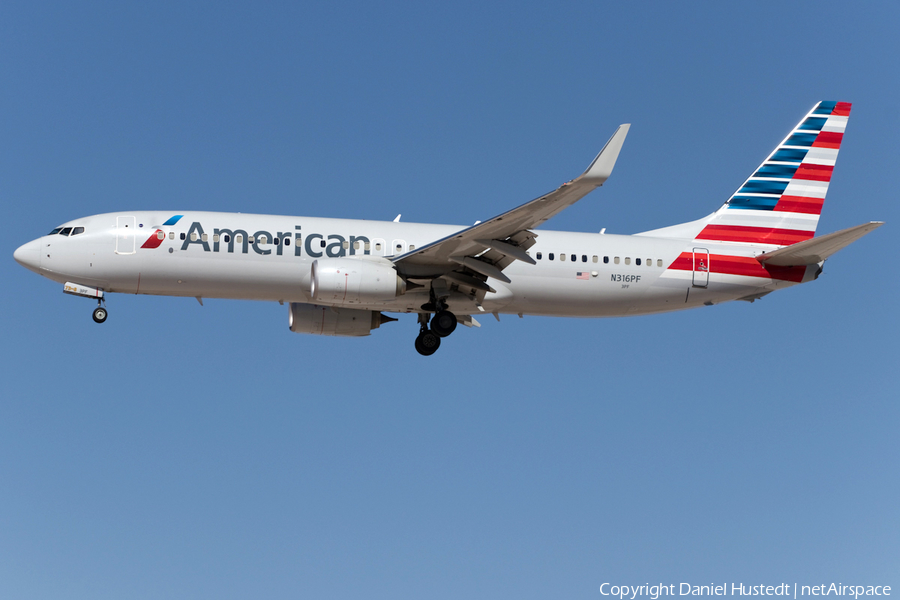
{"x":467,"y":258}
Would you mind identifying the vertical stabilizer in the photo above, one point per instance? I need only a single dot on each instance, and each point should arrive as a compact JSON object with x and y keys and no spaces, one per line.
{"x":781,"y":201}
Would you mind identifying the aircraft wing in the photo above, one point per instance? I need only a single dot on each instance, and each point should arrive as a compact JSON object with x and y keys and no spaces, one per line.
{"x":483,"y":250}
{"x":815,"y":250}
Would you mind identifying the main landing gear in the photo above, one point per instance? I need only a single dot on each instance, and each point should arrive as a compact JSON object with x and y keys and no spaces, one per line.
{"x":429,"y":339}
{"x":442,"y":325}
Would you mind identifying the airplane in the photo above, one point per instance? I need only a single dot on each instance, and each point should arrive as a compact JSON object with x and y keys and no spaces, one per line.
{"x":340,"y":276}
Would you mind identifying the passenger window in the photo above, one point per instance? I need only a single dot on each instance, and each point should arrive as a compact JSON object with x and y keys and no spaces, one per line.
{"x":539,"y":255}
{"x":193,"y":236}
{"x":616,"y":260}
{"x":550,"y":256}
{"x":171,"y":235}
{"x":574,"y":258}
{"x":412,"y":247}
{"x":627,"y":260}
{"x":605,"y":260}
{"x":658,"y":262}
{"x":183,"y":236}
{"x":239,"y":238}
{"x":356,"y":245}
{"x":595,"y":258}
{"x":367,"y":247}
{"x":77,"y":230}
{"x":649,"y":262}
{"x":55,"y":231}
{"x":399,"y":247}
{"x":562,"y":257}
{"x":215,"y":238}
{"x":287,"y":241}
{"x":66,"y":231}
{"x":584,"y":258}
{"x":346,"y":245}
{"x":160,"y":235}
{"x":227,"y":238}
{"x":322,"y":244}
{"x":275,"y":240}
{"x":377,"y":246}
{"x":205,"y":237}
{"x":251,"y":239}
{"x":637,"y":261}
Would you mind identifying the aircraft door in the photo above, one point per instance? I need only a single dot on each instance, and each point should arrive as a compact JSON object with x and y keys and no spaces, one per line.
{"x":701,"y":267}
{"x":125,"y":235}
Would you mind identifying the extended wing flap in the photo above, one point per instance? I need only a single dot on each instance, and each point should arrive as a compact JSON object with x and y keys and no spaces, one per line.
{"x":817,"y":249}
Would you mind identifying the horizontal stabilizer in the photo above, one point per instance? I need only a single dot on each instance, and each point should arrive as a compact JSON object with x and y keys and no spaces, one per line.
{"x":816,"y":250}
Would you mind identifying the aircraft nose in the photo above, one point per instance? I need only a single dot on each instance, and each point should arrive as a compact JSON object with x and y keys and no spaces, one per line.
{"x":29,"y":255}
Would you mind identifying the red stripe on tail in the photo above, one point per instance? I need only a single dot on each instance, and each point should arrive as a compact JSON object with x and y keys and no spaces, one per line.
{"x":841,"y":109}
{"x":800,"y":204}
{"x":814,"y":172}
{"x":828,"y":139}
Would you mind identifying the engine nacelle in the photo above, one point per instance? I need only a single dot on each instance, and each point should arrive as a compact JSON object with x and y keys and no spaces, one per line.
{"x":355,"y":280}
{"x":325,"y":320}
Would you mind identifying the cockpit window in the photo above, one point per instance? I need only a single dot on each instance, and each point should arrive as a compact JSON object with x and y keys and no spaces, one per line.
{"x":77,"y":230}
{"x":66,"y":231}
{"x":55,"y":231}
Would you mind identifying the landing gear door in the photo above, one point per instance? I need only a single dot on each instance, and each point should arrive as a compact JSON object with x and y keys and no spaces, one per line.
{"x":125,"y":235}
{"x":701,"y":267}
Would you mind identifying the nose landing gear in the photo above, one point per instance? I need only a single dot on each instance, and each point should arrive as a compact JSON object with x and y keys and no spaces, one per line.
{"x":100,"y":313}
{"x":76,"y":289}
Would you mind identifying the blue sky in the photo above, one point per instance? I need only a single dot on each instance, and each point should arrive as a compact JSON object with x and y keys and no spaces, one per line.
{"x":207,"y":452}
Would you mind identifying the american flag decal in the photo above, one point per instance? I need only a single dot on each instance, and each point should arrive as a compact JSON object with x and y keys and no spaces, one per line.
{"x":582,"y":275}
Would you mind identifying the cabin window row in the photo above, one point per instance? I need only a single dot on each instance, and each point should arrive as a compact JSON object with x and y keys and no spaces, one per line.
{"x":595,"y":259}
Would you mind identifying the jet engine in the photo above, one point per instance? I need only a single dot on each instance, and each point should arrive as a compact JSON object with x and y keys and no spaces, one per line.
{"x":355,"y":280}
{"x":325,"y":320}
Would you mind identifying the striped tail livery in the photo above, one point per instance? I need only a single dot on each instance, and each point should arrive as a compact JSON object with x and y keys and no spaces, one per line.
{"x":781,"y":201}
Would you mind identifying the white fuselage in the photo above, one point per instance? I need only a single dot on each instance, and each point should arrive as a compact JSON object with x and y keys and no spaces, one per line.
{"x":576,"y":274}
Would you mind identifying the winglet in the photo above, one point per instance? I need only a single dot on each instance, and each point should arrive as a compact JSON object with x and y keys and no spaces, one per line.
{"x":603,"y":164}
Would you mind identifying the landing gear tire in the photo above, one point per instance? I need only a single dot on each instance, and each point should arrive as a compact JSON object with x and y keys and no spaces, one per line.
{"x":100,"y":314}
{"x":443,"y":323}
{"x":427,"y":343}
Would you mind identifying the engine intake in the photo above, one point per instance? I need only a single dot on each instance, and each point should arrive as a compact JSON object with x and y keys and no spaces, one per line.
{"x":355,"y":280}
{"x":325,"y":320}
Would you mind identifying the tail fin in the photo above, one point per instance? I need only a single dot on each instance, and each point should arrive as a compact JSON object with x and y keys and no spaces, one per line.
{"x":780,"y":202}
